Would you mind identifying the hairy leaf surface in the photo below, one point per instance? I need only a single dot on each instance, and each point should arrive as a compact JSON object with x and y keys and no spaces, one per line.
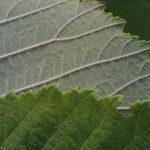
{"x":73,"y":43}
{"x":73,"y":120}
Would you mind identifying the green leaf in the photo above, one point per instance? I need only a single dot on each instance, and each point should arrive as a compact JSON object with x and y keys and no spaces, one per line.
{"x":75,"y":44}
{"x":73,"y":120}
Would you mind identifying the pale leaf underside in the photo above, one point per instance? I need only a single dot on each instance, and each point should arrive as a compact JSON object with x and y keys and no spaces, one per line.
{"x":75,"y":44}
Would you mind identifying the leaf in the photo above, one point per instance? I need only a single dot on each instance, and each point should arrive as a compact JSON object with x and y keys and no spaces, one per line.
{"x":75,"y":44}
{"x":13,"y":9}
{"x":49,"y":119}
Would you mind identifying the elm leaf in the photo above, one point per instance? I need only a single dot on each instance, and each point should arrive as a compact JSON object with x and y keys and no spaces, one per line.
{"x":72,"y":43}
{"x":72,"y":120}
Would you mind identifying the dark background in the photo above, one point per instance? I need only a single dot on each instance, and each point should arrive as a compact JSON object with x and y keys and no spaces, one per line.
{"x":137,"y":14}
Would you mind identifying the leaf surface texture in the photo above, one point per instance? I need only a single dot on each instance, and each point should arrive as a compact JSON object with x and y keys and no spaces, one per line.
{"x":72,"y":120}
{"x":75,"y":44}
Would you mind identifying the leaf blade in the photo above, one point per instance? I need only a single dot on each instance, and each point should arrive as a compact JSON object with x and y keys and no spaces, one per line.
{"x":85,"y":37}
{"x":72,"y":120}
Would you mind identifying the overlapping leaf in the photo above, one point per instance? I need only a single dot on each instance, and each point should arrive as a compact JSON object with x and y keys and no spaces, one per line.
{"x":51,"y":120}
{"x":75,"y":44}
